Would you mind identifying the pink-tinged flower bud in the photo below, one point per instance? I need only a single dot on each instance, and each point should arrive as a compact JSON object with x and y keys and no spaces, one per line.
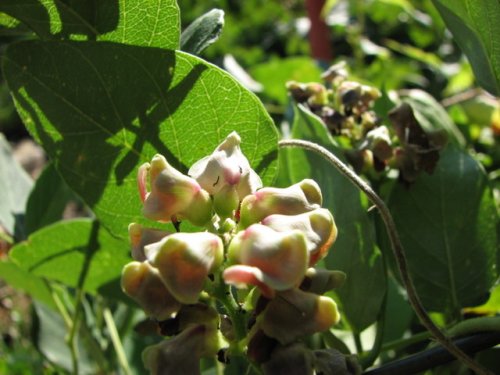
{"x":226,"y":166}
{"x":184,"y":261}
{"x":318,"y":227}
{"x":181,"y":354}
{"x":143,"y":283}
{"x":268,"y":259}
{"x":301,"y":197}
{"x":173,"y":194}
{"x":140,"y":237}
{"x":295,"y":313}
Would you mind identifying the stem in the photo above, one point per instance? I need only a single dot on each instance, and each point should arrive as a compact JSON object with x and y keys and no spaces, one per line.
{"x":436,"y":356}
{"x":358,"y":343}
{"x":223,"y":295}
{"x":397,"y":249}
{"x":371,"y":356}
{"x":71,"y":338}
{"x":475,"y":325}
{"x":115,"y":338}
{"x":60,"y":306}
{"x":403,"y":343}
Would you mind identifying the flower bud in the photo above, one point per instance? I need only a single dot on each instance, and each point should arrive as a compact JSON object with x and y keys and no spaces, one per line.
{"x":226,"y":166}
{"x":292,"y":359}
{"x":197,"y":314}
{"x":295,"y":313}
{"x":184,"y":261}
{"x":318,"y":227}
{"x":140,"y":237}
{"x":268,"y":259}
{"x":379,"y":142}
{"x":173,"y":194}
{"x":181,"y":354}
{"x":226,"y":201}
{"x":301,"y":197}
{"x":143,"y":283}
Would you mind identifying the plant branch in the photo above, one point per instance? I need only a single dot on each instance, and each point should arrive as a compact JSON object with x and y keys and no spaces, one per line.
{"x":436,"y":356}
{"x":115,"y":338}
{"x":397,"y":249}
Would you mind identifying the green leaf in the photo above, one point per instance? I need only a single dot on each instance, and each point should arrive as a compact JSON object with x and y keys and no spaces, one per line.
{"x":15,"y":185}
{"x":354,"y":252}
{"x":154,"y":23}
{"x":68,"y":250}
{"x":277,"y":72}
{"x":475,"y":25}
{"x":23,"y":280}
{"x":102,"y":109}
{"x":432,"y":116}
{"x":204,"y":31}
{"x":51,"y":341}
{"x":47,"y":200}
{"x":447,"y":224}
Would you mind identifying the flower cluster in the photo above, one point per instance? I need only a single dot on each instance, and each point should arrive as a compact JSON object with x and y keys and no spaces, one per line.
{"x":254,"y":254}
{"x":345,"y":108}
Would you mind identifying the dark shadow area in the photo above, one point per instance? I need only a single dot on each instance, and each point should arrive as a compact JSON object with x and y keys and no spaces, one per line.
{"x":113,"y":291}
{"x":101,"y":114}
{"x":148,"y":129}
{"x":90,"y":18}
{"x":267,"y":159}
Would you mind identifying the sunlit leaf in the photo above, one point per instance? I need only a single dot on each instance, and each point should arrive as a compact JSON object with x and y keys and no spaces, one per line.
{"x":153,"y":23}
{"x":70,"y":250}
{"x":123,"y":105}
{"x":475,"y":25}
{"x":22,"y":280}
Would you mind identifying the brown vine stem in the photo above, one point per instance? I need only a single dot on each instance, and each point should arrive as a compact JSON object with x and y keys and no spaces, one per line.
{"x":397,"y":249}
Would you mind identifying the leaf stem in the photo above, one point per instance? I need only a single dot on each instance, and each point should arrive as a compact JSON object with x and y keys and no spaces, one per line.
{"x":369,"y":358}
{"x":115,"y":338}
{"x":223,"y":294}
{"x":403,"y":343}
{"x":397,"y":249}
{"x":71,"y":337}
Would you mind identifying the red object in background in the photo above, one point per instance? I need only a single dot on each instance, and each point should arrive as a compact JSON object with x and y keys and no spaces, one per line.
{"x":319,"y":34}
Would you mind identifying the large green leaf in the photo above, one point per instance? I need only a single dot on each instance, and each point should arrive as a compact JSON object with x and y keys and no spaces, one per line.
{"x":15,"y":186}
{"x":21,"y":279}
{"x":354,"y":252}
{"x":68,"y":250}
{"x":102,"y":109}
{"x":153,"y":23}
{"x":475,"y":24}
{"x":447,"y":223}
